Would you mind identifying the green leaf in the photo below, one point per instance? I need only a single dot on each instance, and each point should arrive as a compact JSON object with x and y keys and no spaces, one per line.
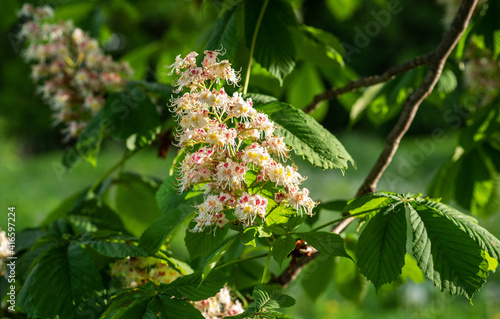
{"x":145,"y":302}
{"x":270,"y":297}
{"x":303,"y":86}
{"x":130,"y":302}
{"x":154,"y":236}
{"x":225,"y":34}
{"x":307,"y":137}
{"x":343,"y":9}
{"x":335,"y":205}
{"x":382,"y":245}
{"x":446,"y":254}
{"x":282,"y":248}
{"x":349,"y":282}
{"x":132,"y":196}
{"x":319,"y":47}
{"x":114,"y":249}
{"x":131,"y":113}
{"x":200,"y":244}
{"x":216,"y":256}
{"x":411,"y":271}
{"x":316,"y":278}
{"x":371,"y":201}
{"x":193,"y":287}
{"x":162,"y":307}
{"x":65,"y":271}
{"x":168,"y":197}
{"x":447,"y":82}
{"x":274,"y":47}
{"x":88,"y":144}
{"x":175,"y":208}
{"x":325,"y":242}
{"x":481,"y":236}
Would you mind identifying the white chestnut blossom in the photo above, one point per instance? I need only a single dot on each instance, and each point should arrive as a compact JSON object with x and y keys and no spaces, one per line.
{"x":72,"y":73}
{"x":230,"y":149}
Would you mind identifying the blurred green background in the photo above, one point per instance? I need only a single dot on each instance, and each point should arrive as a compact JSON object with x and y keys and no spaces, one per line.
{"x":149,"y":34}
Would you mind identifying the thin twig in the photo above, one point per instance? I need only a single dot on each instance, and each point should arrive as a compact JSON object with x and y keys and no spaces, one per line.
{"x":435,"y":61}
{"x":365,"y":82}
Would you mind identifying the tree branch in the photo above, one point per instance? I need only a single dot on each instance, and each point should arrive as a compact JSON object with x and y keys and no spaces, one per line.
{"x":367,"y":81}
{"x":436,"y":61}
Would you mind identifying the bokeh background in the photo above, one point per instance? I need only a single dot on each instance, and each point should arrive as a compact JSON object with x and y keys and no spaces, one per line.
{"x":149,"y":34}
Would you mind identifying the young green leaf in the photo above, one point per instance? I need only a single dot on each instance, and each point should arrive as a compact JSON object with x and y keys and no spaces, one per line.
{"x":216,"y":256}
{"x":382,"y":245}
{"x":154,"y":236}
{"x":282,"y":248}
{"x":114,"y":249}
{"x":199,"y":244}
{"x":193,"y":287}
{"x":481,"y":236}
{"x":447,"y":254}
{"x":307,"y":137}
{"x":270,"y":297}
{"x":65,"y":271}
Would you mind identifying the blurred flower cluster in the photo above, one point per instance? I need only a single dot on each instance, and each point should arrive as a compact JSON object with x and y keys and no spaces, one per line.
{"x":133,"y":272}
{"x":72,"y":73}
{"x":230,"y":149}
{"x":5,"y":251}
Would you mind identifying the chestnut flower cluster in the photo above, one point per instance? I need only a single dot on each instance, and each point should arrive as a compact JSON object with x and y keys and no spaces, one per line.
{"x":133,"y":272}
{"x":71,"y":70}
{"x":4,"y":251}
{"x":230,"y":148}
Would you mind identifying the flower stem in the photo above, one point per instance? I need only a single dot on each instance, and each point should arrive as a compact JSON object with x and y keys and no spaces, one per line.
{"x":266,"y":267}
{"x":252,"y":47}
{"x":345,"y":217}
{"x":241,"y":260}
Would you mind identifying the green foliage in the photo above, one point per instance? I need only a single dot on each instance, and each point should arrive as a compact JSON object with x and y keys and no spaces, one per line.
{"x":307,"y":137}
{"x":132,"y":196}
{"x":472,"y":176}
{"x":214,"y":258}
{"x":66,"y":271}
{"x":70,"y":256}
{"x":282,"y":248}
{"x":447,"y":245}
{"x":88,"y":144}
{"x":147,"y":302}
{"x":325,"y":242}
{"x":131,"y":114}
{"x":175,"y":210}
{"x":382,"y":245}
{"x":198,"y":244}
{"x":274,"y":46}
{"x":267,"y":298}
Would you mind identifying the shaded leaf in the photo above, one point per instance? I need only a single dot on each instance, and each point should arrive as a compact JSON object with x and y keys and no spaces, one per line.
{"x":274,"y":46}
{"x":65,"y":271}
{"x":282,"y":248}
{"x":270,"y":297}
{"x":382,"y":245}
{"x":446,"y":254}
{"x":307,"y":137}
